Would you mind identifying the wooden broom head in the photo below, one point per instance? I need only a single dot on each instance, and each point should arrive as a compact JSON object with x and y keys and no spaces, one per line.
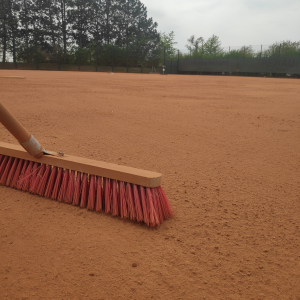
{"x":89,"y":166}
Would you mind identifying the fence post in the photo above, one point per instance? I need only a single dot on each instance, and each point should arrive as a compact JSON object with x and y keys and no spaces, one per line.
{"x":36,"y":52}
{"x":260,"y":51}
{"x":127,"y":56}
{"x":112,"y":55}
{"x":97,"y":56}
{"x":59,"y":53}
{"x":178,"y":63}
{"x":279,"y":50}
{"x":14,"y":50}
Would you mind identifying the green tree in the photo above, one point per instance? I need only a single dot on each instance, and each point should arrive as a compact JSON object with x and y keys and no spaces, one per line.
{"x":166,"y":45}
{"x":195,"y":46}
{"x":212,"y":46}
{"x":283,"y":49}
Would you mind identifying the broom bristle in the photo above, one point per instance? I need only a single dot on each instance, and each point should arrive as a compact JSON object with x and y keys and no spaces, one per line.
{"x":143,"y":204}
{"x":12,"y":172}
{"x":17,"y":174}
{"x":77,"y":191}
{"x":33,"y":175}
{"x":114,"y":197}
{"x":70,"y":189}
{"x":107,"y":195}
{"x":6,"y":170}
{"x":157,"y":205}
{"x":57,"y":184}
{"x":166,"y":207}
{"x":20,"y":180}
{"x":123,"y":205}
{"x":38,"y":179}
{"x":151,"y":207}
{"x":64,"y":186}
{"x":3,"y":164}
{"x":99,"y":194}
{"x":92,"y":194}
{"x":51,"y":182}
{"x":27,"y":176}
{"x":137,"y":204}
{"x":42,"y":185}
{"x":129,"y":200}
{"x":84,"y":190}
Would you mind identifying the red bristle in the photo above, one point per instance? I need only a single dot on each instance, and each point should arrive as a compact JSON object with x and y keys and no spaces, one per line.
{"x":129,"y":200}
{"x":152,"y":213}
{"x":38,"y":179}
{"x":3,"y":165}
{"x":33,"y":175}
{"x":107,"y":195}
{"x":99,"y":194}
{"x":166,"y":207}
{"x":84,"y":190}
{"x":92,"y":194}
{"x":43,"y":183}
{"x":157,"y":205}
{"x":70,"y":189}
{"x":77,"y":191}
{"x":1,"y":158}
{"x":115,"y":206}
{"x":12,"y":172}
{"x":17,"y":174}
{"x":57,"y":184}
{"x":27,"y":176}
{"x":123,"y":205}
{"x":51,"y":182}
{"x":6,"y":171}
{"x":144,"y":205}
{"x":20,"y":180}
{"x":64,"y":186}
{"x":137,"y":204}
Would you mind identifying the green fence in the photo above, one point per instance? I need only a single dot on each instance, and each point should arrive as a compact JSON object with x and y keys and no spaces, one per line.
{"x":235,"y":65}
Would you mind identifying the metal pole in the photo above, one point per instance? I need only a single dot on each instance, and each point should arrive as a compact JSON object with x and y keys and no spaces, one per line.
{"x":112,"y":55}
{"x":37,"y":52}
{"x":178,"y":63}
{"x":279,"y":50}
{"x":260,"y":51}
{"x":164,"y":56}
{"x":127,"y":56}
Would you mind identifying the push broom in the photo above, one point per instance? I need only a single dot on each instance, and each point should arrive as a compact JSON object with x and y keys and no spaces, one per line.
{"x":118,"y":190}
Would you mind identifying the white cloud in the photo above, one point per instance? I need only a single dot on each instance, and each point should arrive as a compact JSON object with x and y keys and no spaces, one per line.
{"x":236,"y":22}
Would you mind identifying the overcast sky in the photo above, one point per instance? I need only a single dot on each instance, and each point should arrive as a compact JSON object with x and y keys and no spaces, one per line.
{"x":236,"y":22}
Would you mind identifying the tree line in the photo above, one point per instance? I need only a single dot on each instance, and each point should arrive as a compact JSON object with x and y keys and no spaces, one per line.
{"x":78,"y":31}
{"x":212,"y":48}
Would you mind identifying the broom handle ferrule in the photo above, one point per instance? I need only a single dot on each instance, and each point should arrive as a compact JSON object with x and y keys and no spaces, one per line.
{"x":27,"y":141}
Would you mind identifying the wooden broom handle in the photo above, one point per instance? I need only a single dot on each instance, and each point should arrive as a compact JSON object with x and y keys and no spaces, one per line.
{"x":13,"y":125}
{"x":28,"y":142}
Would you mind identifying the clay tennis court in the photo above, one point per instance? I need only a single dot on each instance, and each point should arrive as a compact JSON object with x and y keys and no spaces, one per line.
{"x":229,"y":151}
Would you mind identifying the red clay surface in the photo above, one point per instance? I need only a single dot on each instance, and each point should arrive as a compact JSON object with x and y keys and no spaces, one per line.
{"x":229,"y":150}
